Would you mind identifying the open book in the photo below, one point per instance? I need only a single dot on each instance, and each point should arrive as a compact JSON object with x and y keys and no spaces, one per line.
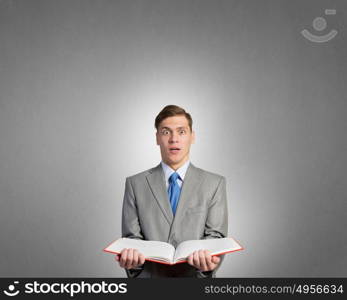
{"x":165,"y":253}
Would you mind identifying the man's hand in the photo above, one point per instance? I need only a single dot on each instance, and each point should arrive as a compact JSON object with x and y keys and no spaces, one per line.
{"x":130,"y":258}
{"x":203,"y":260}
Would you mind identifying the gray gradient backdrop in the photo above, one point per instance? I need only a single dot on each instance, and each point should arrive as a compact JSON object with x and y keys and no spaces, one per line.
{"x":82,"y":81}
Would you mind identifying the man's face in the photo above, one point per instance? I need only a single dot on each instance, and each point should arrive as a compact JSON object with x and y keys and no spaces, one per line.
{"x":174,"y":138}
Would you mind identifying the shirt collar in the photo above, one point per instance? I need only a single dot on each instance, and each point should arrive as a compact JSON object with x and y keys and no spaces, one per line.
{"x":181,"y":171}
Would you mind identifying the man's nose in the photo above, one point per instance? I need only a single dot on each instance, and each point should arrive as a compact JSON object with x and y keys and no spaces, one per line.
{"x":173,"y":137}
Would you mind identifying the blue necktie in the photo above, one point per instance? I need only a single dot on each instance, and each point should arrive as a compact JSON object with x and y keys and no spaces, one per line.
{"x":174,"y":191}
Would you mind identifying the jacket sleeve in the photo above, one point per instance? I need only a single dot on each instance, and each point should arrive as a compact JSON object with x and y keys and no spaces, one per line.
{"x":216,"y":225}
{"x":130,"y":222}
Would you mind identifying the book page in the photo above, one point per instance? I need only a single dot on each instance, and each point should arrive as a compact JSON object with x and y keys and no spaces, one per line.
{"x":215,"y":246}
{"x":150,"y":249}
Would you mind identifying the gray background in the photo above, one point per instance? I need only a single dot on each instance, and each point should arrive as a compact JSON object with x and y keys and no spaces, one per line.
{"x":82,"y":81}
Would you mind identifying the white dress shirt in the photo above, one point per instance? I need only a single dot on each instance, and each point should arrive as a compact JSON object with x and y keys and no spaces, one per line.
{"x":181,"y":171}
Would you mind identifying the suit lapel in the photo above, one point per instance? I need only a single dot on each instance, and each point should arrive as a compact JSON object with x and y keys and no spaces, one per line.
{"x":156,"y":181}
{"x":192,"y":180}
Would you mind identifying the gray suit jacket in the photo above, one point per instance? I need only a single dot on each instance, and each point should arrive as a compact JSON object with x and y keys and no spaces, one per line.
{"x":201,"y":214}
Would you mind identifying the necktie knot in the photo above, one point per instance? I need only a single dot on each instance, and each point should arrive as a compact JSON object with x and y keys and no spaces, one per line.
{"x":174,"y":177}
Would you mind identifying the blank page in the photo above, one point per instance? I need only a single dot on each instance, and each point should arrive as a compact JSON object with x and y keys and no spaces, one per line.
{"x":215,"y":246}
{"x":150,"y":249}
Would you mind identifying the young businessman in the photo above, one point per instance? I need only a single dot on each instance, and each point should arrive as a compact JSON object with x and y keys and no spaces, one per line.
{"x":174,"y":202}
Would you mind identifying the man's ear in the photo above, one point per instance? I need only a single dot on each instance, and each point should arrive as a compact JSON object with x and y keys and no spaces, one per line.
{"x":193,"y":137}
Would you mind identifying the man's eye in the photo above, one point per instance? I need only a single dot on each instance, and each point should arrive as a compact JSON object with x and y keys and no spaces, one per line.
{"x":182,"y":132}
{"x":165,"y":132}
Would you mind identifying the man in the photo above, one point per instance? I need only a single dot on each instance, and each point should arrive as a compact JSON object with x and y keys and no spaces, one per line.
{"x":174,"y":202}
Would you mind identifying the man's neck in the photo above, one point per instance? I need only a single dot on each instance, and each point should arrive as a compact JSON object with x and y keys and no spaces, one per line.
{"x":175,"y":167}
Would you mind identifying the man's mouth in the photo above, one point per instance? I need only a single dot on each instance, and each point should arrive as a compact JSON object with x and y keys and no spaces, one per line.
{"x":174,"y":150}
